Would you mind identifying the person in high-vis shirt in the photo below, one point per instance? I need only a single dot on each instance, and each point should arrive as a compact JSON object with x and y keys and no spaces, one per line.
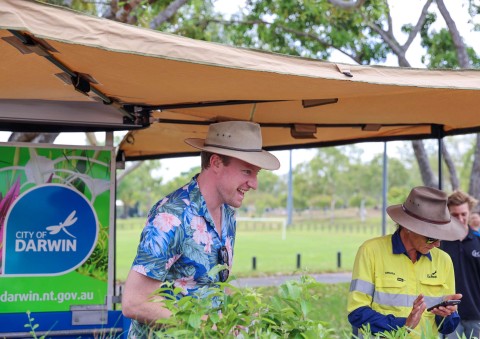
{"x":398,"y":276}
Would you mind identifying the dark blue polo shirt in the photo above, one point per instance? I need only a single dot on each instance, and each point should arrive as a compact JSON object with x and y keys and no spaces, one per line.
{"x":465,"y":255}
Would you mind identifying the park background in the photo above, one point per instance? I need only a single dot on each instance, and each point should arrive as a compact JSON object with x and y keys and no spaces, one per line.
{"x":337,"y":192}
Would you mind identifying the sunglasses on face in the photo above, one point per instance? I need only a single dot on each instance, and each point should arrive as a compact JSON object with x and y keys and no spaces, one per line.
{"x":430,"y":240}
{"x":223,"y":260}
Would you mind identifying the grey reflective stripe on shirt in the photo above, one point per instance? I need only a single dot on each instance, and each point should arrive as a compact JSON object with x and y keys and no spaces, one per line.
{"x":389,"y":299}
{"x":404,"y":300}
{"x":362,"y":286}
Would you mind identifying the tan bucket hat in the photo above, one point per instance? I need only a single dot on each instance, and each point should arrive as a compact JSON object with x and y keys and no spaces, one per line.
{"x":425,"y":212}
{"x":237,"y":139}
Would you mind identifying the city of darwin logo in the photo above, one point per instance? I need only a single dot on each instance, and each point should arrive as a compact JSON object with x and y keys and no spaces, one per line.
{"x":49,"y":230}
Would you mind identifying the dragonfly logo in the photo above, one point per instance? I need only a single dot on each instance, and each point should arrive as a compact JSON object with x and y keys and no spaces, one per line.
{"x":63,"y":225}
{"x":50,"y":230}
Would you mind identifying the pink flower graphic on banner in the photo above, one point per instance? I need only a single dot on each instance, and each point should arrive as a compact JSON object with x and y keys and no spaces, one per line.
{"x":5,"y":203}
{"x":185,"y":283}
{"x":166,"y":221}
{"x":172,"y":261}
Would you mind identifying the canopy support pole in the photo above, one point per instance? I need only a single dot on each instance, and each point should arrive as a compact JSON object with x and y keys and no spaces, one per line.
{"x":438,"y":131}
{"x":440,"y":172}
{"x":290,"y":192}
{"x":384,"y":189}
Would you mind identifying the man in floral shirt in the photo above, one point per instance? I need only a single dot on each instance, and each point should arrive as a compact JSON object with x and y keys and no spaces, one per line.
{"x":187,"y":230}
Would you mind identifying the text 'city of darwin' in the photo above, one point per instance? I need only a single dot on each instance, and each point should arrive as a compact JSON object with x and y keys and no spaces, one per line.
{"x":46,"y":245}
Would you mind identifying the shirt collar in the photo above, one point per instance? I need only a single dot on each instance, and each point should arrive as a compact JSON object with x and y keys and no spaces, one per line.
{"x":196,"y":196}
{"x":471,"y":233}
{"x":398,"y":247}
{"x":197,"y":199}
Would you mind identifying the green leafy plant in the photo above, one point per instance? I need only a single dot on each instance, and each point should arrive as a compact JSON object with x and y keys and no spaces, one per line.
{"x":244,"y":312}
{"x":404,"y":332}
{"x":401,"y":333}
{"x":109,"y":334}
{"x":32,"y":326}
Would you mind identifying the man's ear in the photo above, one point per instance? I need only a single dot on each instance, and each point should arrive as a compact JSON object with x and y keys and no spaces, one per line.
{"x":215,"y":161}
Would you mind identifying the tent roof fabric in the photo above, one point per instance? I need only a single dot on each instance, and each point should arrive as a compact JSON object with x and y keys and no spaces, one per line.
{"x":165,"y":88}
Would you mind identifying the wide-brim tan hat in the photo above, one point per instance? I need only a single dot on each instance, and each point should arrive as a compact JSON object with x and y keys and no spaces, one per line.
{"x":425,"y":212}
{"x":238,"y":139}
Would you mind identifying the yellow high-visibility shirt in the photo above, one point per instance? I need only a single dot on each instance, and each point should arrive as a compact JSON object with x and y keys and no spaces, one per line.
{"x":387,"y":281}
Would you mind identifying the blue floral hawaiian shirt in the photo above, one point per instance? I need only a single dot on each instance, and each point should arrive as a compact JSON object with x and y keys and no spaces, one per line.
{"x":179,"y":243}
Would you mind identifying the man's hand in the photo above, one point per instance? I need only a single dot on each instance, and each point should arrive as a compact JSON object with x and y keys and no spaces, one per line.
{"x":415,"y":315}
{"x":445,"y":311}
{"x":137,"y":299}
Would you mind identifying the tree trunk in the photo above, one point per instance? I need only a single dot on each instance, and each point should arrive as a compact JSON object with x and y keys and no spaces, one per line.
{"x":400,"y":51}
{"x":128,"y":170}
{"x":464,"y":62}
{"x":454,"y":182}
{"x":421,"y":155}
{"x":33,"y":137}
{"x":460,"y":48}
{"x":167,"y":13}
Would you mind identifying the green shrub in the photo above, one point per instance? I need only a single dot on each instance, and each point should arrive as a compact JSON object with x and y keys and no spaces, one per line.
{"x":245,"y":312}
{"x":293,"y":311}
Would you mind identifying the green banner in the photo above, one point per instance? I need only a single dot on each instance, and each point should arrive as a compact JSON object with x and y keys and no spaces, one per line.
{"x":55,"y":219}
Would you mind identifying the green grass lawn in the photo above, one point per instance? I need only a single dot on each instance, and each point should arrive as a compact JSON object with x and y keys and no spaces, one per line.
{"x":128,"y":237}
{"x":318,"y":252}
{"x":318,"y":249}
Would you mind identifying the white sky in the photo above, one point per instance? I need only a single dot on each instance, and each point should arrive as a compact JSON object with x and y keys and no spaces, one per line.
{"x":403,"y":11}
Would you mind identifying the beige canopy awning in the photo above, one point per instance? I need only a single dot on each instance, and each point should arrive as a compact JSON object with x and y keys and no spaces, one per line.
{"x":62,"y":70}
